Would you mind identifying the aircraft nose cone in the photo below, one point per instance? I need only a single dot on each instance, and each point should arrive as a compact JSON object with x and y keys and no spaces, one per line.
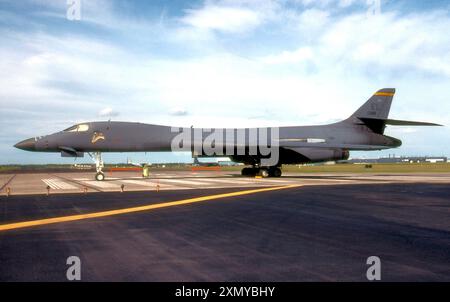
{"x":28,"y":144}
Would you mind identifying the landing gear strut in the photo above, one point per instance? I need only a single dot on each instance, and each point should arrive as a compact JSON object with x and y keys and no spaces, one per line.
{"x":262,"y":171}
{"x":97,"y":158}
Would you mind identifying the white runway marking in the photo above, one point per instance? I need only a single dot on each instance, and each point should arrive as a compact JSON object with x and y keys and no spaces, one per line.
{"x":183,"y":182}
{"x":228,"y":179}
{"x":152,"y":184}
{"x":231,"y":180}
{"x":139,"y":182}
{"x":102,"y":184}
{"x":201,"y":182}
{"x":251,"y":181}
{"x":58,"y":184}
{"x":279,"y":181}
{"x":164,"y":175}
{"x":332,"y":179}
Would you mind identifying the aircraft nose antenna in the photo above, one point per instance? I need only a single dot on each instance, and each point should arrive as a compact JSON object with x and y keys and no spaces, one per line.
{"x":28,"y":144}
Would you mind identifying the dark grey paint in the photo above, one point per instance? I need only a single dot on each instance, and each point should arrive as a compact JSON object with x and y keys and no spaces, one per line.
{"x":361,"y":131}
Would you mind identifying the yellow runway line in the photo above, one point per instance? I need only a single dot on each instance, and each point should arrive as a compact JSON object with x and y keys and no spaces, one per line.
{"x":39,"y":222}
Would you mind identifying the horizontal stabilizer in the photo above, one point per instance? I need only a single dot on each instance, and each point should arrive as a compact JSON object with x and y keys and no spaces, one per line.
{"x":409,"y":123}
{"x":370,"y":122}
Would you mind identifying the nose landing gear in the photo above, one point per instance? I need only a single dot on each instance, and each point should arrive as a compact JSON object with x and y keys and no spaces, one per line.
{"x":97,"y":158}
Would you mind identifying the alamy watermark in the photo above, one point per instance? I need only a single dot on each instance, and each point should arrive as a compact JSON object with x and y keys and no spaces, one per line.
{"x":73,"y":273}
{"x":261,"y":143}
{"x":374,"y":271}
{"x":374,"y":7}
{"x":73,"y":12}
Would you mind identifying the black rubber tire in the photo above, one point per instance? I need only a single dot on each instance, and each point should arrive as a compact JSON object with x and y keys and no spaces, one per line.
{"x":263,"y":172}
{"x":99,"y":176}
{"x":276,"y":172}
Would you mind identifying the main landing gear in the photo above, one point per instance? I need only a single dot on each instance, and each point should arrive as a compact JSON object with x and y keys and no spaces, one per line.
{"x":262,"y":171}
{"x":97,"y":158}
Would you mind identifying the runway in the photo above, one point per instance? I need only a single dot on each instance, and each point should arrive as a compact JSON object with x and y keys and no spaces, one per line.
{"x":296,"y":228}
{"x":80,"y":182}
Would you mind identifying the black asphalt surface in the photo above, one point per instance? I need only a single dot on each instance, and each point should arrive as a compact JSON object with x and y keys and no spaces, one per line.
{"x":316,"y":233}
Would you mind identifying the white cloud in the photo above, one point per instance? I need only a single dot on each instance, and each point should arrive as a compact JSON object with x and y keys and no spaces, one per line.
{"x":288,"y":57}
{"x":346,"y":3}
{"x":108,"y":112}
{"x":327,"y":3}
{"x":220,"y":18}
{"x":313,"y":18}
{"x":178,"y":111}
{"x":390,"y":40}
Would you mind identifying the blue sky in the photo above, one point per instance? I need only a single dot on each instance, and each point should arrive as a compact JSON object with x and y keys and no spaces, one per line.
{"x":220,"y":64}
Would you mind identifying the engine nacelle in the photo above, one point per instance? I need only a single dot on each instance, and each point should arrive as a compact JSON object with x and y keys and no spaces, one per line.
{"x":323,"y":154}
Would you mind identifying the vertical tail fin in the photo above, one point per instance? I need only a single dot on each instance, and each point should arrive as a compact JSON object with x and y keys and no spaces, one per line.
{"x":375,"y":111}
{"x":378,"y":106}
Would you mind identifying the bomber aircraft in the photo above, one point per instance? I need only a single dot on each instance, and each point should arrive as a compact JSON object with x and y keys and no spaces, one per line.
{"x":264,"y":149}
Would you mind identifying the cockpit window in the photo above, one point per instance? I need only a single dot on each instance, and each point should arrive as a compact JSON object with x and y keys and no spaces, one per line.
{"x":83,"y":127}
{"x":71,"y":129}
{"x":78,"y":128}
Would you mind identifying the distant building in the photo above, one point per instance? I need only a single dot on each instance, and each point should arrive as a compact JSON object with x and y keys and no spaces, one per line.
{"x":402,"y":159}
{"x":81,"y":166}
